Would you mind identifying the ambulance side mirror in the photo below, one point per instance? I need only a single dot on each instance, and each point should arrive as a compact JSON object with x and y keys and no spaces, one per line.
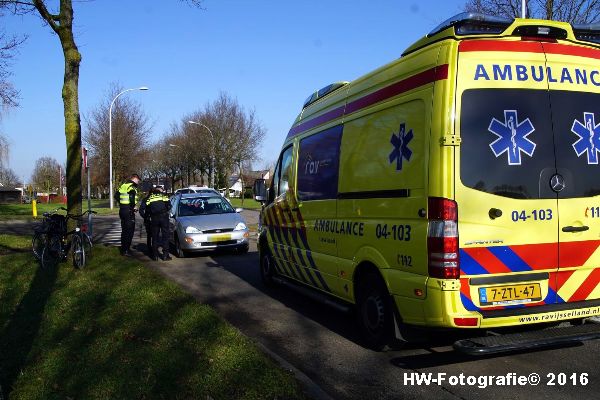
{"x":260,"y":190}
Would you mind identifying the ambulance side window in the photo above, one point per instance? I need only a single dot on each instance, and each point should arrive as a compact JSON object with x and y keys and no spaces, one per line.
{"x":281,"y":174}
{"x":318,"y":165}
{"x":286,"y":167}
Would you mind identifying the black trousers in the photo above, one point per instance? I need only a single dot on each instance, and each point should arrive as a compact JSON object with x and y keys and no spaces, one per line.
{"x":148,"y":226}
{"x":160,"y":234}
{"x":127,"y":227}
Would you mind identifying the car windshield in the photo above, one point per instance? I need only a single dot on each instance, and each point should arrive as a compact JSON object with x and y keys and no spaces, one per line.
{"x":190,"y":206}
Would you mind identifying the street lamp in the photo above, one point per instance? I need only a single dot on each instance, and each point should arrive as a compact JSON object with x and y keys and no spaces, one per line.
{"x":110,"y":166}
{"x":212,"y":152}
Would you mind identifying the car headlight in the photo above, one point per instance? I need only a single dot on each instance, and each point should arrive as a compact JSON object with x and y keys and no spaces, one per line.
{"x":192,"y":229}
{"x":240,"y":226}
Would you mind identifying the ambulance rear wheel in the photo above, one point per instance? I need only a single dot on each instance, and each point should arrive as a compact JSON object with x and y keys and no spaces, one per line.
{"x":374,"y":312}
{"x":267,"y":267}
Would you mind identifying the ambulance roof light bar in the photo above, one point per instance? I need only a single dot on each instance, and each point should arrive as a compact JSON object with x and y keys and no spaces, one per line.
{"x":540,"y":31}
{"x":587,"y":32}
{"x":472,"y":23}
{"x":323,"y":92}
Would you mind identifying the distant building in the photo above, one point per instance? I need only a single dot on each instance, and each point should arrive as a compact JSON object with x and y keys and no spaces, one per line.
{"x":10,"y":195}
{"x":235,"y":181}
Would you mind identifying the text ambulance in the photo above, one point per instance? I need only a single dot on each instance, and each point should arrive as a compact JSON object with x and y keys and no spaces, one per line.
{"x":457,"y":187}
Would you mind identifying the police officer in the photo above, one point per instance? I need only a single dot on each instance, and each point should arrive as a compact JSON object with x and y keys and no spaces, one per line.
{"x":159,"y":205}
{"x":144,"y":213}
{"x":127,"y":196}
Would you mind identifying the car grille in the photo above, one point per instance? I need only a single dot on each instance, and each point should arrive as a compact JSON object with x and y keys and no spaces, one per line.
{"x":224,"y":230}
{"x":223,"y":243}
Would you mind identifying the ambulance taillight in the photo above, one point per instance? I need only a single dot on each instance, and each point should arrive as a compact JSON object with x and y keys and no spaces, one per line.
{"x":442,"y":239}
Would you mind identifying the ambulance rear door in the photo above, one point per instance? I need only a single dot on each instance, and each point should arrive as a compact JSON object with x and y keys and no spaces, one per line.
{"x":574,"y":83}
{"x":507,"y":212}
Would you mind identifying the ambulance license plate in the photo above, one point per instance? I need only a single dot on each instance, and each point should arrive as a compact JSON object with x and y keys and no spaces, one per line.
{"x":513,"y":294}
{"x":219,"y":238}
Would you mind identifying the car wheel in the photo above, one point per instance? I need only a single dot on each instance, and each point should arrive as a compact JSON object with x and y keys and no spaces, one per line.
{"x":179,"y":252}
{"x":267,"y":267}
{"x":243,"y":249}
{"x":374,"y":312}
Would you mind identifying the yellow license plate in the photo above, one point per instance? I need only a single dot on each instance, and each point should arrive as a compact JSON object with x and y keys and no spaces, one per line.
{"x":513,"y":294}
{"x":219,"y":238}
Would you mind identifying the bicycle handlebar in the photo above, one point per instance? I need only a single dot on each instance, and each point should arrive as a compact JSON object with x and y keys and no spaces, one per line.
{"x":76,"y":216}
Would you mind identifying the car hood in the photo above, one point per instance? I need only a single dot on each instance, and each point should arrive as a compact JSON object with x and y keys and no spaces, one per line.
{"x":211,"y":221}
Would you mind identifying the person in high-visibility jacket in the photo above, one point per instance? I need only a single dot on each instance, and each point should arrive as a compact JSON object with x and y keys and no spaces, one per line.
{"x":147,"y":221}
{"x":158,"y":205}
{"x":127,"y":196}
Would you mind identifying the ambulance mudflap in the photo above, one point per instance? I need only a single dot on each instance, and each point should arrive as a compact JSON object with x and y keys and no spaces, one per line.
{"x":526,"y":181}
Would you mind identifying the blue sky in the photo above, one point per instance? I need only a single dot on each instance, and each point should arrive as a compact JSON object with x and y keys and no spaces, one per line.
{"x":269,"y":54}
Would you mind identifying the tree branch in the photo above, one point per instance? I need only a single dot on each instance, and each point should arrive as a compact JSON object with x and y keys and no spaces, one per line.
{"x":51,"y":19}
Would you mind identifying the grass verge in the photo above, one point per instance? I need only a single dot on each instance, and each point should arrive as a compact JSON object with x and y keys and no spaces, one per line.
{"x":119,"y":330}
{"x":249,"y":204}
{"x":24,"y":211}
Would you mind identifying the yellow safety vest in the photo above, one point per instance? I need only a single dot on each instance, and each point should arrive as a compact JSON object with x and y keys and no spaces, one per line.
{"x":156,"y":197}
{"x":124,"y":190}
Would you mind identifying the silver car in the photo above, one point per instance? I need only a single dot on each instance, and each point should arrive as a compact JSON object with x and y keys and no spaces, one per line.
{"x":206,"y":222}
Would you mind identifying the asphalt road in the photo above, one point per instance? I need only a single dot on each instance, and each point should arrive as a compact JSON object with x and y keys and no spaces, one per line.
{"x":322,"y":344}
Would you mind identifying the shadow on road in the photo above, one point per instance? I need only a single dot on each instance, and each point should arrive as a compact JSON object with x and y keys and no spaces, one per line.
{"x":340,"y":323}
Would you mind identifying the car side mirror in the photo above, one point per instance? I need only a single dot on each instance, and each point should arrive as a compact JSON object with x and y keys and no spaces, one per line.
{"x":260,"y":190}
{"x":239,"y":210}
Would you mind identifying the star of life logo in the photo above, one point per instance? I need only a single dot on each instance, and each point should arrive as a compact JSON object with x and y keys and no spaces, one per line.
{"x":512,"y":137}
{"x":400,"y":142}
{"x":589,"y":137}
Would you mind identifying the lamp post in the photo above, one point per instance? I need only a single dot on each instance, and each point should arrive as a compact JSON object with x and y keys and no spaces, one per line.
{"x":212,"y":151}
{"x":110,"y":165}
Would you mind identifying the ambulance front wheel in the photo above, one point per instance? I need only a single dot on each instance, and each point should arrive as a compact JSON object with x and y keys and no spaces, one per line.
{"x":374,"y":312}
{"x":267,"y":267}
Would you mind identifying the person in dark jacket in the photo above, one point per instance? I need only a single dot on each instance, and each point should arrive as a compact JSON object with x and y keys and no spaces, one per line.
{"x":145,"y":214}
{"x":159,"y":206}
{"x":127,"y":197}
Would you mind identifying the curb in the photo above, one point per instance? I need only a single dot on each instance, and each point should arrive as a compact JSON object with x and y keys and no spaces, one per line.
{"x":310,"y":388}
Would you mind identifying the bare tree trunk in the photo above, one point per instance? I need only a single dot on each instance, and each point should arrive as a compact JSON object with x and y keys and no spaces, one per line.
{"x":549,"y":9}
{"x":72,"y":122}
{"x":242,"y":181}
{"x":62,"y":24}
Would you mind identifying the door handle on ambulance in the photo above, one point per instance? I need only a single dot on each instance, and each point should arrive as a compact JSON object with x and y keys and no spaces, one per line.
{"x":495,"y":213}
{"x":575,"y":228}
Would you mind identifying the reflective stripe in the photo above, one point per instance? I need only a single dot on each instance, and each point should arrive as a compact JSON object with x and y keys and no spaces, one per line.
{"x":156,"y":197}
{"x":124,"y":190}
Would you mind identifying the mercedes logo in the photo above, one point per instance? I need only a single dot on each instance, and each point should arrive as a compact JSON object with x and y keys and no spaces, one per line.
{"x":557,"y":183}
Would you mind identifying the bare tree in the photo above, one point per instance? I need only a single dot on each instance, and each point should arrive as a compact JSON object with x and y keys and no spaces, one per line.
{"x":236,"y":133}
{"x":61,"y":23}
{"x":8,"y":177}
{"x":130,"y":136}
{"x":8,"y":46}
{"x":573,"y":11}
{"x":4,"y":147}
{"x":46,"y":174}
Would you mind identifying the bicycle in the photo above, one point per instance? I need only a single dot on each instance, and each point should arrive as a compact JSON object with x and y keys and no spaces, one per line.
{"x":58,"y":244}
{"x":52,"y":223}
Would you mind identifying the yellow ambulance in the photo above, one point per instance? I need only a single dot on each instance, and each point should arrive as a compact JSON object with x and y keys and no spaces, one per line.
{"x":456,"y":187}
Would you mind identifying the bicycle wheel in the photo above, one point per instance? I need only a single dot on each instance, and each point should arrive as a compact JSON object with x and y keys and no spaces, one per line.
{"x":51,"y":252}
{"x":38,"y":243}
{"x":78,"y":250}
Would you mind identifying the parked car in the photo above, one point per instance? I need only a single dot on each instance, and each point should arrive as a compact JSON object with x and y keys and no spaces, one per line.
{"x":200,"y":189}
{"x":201,"y":221}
